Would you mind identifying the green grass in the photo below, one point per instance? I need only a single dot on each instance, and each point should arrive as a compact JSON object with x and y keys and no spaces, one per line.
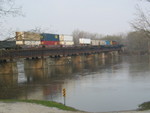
{"x":45,"y":103}
{"x":144,"y":106}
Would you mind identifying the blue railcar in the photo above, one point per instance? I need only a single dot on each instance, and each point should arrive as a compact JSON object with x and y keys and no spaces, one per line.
{"x":107,"y":42}
{"x":49,"y":37}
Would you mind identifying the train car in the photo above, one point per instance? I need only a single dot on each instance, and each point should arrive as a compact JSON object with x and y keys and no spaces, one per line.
{"x":28,"y":36}
{"x":49,"y":37}
{"x":19,"y":43}
{"x":31,"y":40}
{"x":66,"y":40}
{"x":8,"y":45}
{"x":28,"y":39}
{"x":49,"y":40}
{"x":113,"y":42}
{"x":107,"y":42}
{"x":32,"y":44}
{"x":84,"y":41}
{"x":95,"y":42}
{"x":102,"y":42}
{"x":65,"y":37}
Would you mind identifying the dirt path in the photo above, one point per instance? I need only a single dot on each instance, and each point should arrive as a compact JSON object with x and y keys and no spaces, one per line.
{"x":20,"y":107}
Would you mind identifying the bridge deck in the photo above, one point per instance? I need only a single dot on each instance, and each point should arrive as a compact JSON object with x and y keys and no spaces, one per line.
{"x":65,"y":51}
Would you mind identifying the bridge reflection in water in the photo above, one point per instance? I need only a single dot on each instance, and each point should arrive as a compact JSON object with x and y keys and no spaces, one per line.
{"x":47,"y":83}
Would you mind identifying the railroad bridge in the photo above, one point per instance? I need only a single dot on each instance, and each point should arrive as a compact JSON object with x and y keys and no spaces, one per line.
{"x":41,"y":57}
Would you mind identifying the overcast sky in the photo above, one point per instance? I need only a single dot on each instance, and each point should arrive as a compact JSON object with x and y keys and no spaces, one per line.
{"x":65,"y":16}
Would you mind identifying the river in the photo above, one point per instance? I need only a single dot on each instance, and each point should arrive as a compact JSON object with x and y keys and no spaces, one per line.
{"x":111,"y":84}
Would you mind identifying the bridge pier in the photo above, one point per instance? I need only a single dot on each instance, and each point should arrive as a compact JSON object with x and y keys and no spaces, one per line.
{"x":78,"y":59}
{"x":35,"y":63}
{"x":110,"y":54}
{"x":89,"y":57}
{"x":101,"y":55}
{"x":116,"y":53}
{"x":8,"y":68}
{"x":97,"y":56}
{"x":113,"y":53}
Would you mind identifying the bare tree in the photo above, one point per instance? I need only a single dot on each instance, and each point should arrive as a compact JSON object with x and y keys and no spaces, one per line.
{"x":37,"y":30}
{"x":142,"y":22}
{"x":136,"y":43}
{"x":7,"y":7}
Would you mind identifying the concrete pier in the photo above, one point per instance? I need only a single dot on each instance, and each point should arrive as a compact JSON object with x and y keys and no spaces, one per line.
{"x":78,"y":59}
{"x":113,"y":53}
{"x":101,"y":55}
{"x":35,"y":63}
{"x":8,"y":68}
{"x":89,"y":57}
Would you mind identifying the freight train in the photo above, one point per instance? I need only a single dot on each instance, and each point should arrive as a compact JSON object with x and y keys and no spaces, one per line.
{"x":47,"y":40}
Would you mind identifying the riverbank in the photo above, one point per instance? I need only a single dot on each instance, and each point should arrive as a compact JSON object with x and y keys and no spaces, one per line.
{"x":23,"y":107}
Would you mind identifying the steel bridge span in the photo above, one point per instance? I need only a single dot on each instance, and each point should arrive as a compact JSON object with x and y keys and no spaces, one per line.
{"x":54,"y":52}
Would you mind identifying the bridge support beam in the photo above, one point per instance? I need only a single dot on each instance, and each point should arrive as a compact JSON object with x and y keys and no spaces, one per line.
{"x":8,"y":68}
{"x":110,"y":54}
{"x":35,"y":63}
{"x":59,"y":61}
{"x":89,"y":57}
{"x":78,"y":59}
{"x":102,"y":55}
{"x":113,"y":53}
{"x":96,"y":56}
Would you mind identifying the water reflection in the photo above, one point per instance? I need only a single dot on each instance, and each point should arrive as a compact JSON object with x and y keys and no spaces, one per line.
{"x":44,"y":83}
{"x":111,"y":84}
{"x":8,"y":86}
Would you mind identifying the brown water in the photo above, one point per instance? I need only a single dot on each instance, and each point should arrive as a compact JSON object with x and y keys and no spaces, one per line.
{"x":113,"y":84}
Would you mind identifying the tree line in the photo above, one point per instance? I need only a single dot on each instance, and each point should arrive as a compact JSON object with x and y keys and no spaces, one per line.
{"x":135,"y":42}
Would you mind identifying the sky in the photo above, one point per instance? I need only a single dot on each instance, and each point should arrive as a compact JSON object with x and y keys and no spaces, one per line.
{"x":106,"y":17}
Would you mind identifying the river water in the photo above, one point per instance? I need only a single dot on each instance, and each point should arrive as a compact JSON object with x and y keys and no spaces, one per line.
{"x":111,"y":84}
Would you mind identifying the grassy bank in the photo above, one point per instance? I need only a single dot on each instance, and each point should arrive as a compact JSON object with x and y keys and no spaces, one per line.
{"x":144,"y":106}
{"x":45,"y":103}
